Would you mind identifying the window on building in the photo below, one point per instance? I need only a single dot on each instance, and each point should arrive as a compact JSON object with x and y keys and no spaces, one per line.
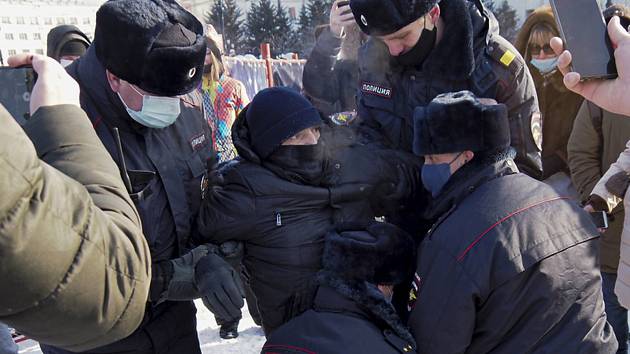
{"x":6,"y":19}
{"x":48,"y":21}
{"x":23,"y":36}
{"x":12,"y":52}
{"x":8,"y":36}
{"x":34,"y":21}
{"x":26,"y":51}
{"x":73,"y":21}
{"x":86,"y":21}
{"x":61,"y":21}
{"x":39,"y":51}
{"x":19,"y":20}
{"x":37,"y":36}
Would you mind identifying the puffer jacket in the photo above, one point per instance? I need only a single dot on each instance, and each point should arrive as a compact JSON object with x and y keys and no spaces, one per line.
{"x":74,"y":264}
{"x":558,"y":105}
{"x":608,"y":188}
{"x":283,"y":222}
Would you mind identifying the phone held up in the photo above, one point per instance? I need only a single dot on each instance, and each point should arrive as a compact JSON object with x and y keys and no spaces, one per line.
{"x":16,"y":85}
{"x":600,"y":219}
{"x":585,"y":35}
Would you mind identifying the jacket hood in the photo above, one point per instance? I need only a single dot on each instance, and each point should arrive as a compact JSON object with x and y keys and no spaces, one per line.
{"x":60,"y":35}
{"x":242,"y":139}
{"x":540,"y":15}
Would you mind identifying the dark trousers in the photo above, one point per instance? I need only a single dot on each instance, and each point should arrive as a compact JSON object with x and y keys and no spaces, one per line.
{"x":616,"y":314}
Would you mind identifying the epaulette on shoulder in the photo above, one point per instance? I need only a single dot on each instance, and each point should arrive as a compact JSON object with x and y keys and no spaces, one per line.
{"x":506,"y":55}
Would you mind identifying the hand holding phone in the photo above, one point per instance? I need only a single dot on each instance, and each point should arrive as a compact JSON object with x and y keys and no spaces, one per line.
{"x":53,"y":87}
{"x":611,"y":95}
{"x":340,"y":16}
{"x":600,"y":219}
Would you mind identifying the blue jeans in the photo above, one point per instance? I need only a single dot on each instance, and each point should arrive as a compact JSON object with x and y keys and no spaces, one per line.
{"x":616,"y":314}
{"x":7,"y":345}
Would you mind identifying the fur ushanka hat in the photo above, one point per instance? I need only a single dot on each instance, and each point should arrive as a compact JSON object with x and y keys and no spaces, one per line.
{"x":456,"y":122}
{"x":153,"y":44}
{"x":378,"y":253}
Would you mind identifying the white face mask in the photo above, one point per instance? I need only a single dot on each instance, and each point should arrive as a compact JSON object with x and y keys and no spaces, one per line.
{"x":65,"y":62}
{"x":157,"y":112}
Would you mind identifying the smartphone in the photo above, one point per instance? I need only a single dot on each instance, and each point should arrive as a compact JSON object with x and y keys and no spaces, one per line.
{"x":600,"y":219}
{"x":583,"y":30}
{"x":16,"y":85}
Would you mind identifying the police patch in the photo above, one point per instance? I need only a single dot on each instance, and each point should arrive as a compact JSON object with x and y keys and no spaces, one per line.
{"x":377,"y":90}
{"x":198,"y":141}
{"x":413,"y":293}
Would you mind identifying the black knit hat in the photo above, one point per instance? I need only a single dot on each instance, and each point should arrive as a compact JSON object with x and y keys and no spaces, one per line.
{"x":153,"y":44}
{"x":378,"y":253}
{"x":66,"y":40}
{"x":276,"y":114}
{"x":456,"y":122}
{"x":383,"y":17}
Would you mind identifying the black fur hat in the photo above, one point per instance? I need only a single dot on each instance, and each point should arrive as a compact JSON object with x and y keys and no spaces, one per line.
{"x":382,"y":17}
{"x":456,"y":122}
{"x":153,"y":44}
{"x":378,"y":253}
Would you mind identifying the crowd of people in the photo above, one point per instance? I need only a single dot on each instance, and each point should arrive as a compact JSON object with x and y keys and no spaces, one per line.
{"x":428,"y":191}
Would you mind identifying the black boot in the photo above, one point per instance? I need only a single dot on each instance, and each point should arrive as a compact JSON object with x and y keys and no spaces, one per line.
{"x":229,"y":330}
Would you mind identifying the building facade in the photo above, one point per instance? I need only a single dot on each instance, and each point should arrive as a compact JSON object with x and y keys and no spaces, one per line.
{"x":24,"y":24}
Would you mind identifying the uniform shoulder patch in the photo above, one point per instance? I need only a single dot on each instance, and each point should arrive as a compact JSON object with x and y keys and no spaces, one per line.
{"x":506,"y":55}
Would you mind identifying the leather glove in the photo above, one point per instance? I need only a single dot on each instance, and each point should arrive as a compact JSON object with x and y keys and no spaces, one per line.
{"x":202,"y":273}
{"x":221,"y":286}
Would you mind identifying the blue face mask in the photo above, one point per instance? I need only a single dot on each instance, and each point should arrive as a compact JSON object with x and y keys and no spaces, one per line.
{"x":435,"y":176}
{"x":545,"y":66}
{"x":157,"y":112}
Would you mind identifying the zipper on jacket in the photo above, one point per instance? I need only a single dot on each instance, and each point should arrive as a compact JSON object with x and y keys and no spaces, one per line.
{"x":278,"y":219}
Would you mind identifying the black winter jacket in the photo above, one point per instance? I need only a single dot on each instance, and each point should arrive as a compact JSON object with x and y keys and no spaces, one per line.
{"x":165,"y":167}
{"x":509,"y":267}
{"x":345,"y":319}
{"x":283,"y":222}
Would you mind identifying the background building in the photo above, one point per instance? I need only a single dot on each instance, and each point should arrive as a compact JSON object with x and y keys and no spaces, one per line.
{"x":24,"y":24}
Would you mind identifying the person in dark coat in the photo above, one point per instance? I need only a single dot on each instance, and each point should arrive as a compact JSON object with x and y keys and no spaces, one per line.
{"x":280,"y":197}
{"x":66,"y":43}
{"x":138,"y":103}
{"x":419,"y":49}
{"x":510,"y":266}
{"x":331,"y":73}
{"x":352,"y":311}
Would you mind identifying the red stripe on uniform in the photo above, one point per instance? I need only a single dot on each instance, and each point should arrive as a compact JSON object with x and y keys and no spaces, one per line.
{"x":463,"y":254}
{"x":281,"y":346}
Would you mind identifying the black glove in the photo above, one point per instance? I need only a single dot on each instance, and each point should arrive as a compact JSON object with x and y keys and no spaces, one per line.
{"x":202,"y":273}
{"x":221,"y":286}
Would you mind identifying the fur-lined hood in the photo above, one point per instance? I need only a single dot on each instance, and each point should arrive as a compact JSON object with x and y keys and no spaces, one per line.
{"x":542,"y":14}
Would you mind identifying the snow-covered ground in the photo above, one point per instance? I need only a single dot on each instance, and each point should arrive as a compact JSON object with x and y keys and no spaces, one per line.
{"x":250,"y":340}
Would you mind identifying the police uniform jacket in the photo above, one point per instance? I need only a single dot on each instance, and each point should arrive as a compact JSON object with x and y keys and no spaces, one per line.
{"x":165,"y":168}
{"x":509,"y":267}
{"x":471,"y":56}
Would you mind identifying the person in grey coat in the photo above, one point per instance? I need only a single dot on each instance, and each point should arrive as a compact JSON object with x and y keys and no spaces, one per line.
{"x":509,"y":266}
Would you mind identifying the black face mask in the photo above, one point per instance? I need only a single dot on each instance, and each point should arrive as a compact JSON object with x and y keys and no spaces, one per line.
{"x":299,"y":163}
{"x":420,"y":52}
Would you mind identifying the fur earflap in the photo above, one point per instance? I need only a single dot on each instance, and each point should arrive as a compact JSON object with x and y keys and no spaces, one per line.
{"x":379,"y":253}
{"x":153,"y":44}
{"x":378,"y":17}
{"x":456,"y":122}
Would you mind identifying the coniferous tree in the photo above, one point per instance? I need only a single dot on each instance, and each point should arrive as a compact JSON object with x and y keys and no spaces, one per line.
{"x":507,"y":18}
{"x":271,"y":24}
{"x":225,"y":16}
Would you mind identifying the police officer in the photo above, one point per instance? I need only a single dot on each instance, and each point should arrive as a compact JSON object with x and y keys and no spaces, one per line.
{"x":420,"y":49}
{"x":134,"y":89}
{"x":510,"y":266}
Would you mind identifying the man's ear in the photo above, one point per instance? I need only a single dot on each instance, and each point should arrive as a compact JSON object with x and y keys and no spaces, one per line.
{"x":114,"y":81}
{"x":468,"y":155}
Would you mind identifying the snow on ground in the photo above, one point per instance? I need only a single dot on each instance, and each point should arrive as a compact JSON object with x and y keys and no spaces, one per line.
{"x":250,"y":340}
